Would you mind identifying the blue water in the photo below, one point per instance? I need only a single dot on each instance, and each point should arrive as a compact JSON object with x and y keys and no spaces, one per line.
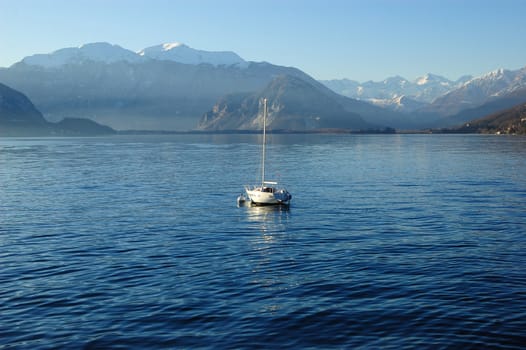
{"x":391,"y":241}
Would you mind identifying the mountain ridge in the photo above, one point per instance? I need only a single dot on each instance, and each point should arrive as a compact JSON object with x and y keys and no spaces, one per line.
{"x":111,"y":53}
{"x":436,"y":99}
{"x":478,"y":91}
{"x":493,"y":105}
{"x":423,"y":89}
{"x":99,"y":52}
{"x":182,"y":53}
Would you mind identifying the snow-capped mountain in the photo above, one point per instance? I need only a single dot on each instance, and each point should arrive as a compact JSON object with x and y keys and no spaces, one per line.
{"x":398,"y":103}
{"x":108,"y":53}
{"x":98,"y":52}
{"x":432,"y":79}
{"x":500,"y":82}
{"x":184,"y":54}
{"x":480,"y":90}
{"x":423,"y":89}
{"x":386,"y":89}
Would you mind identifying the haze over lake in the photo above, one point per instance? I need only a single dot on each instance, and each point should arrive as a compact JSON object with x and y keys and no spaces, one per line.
{"x":413,"y":241}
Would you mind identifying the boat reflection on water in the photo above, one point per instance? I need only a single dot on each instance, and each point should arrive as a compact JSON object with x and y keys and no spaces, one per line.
{"x":269,"y":229}
{"x":271,"y":219}
{"x":263,"y":213}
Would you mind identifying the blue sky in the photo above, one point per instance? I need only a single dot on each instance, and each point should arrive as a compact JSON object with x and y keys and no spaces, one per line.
{"x":356,"y":39}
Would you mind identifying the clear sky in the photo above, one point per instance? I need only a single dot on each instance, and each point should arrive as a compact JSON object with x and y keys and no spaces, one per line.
{"x":328,"y":39}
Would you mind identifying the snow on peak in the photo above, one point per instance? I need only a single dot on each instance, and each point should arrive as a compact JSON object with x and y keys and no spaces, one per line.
{"x":169,"y":46}
{"x":497,"y":73}
{"x":108,"y":53}
{"x":184,"y":54}
{"x":423,"y":79}
{"x":98,"y":52}
{"x":431,"y":78}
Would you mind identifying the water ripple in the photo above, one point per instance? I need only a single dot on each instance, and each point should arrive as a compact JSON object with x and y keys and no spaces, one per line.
{"x":136,"y":242}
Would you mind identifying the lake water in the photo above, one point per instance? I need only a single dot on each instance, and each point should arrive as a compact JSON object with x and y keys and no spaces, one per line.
{"x":391,"y":241}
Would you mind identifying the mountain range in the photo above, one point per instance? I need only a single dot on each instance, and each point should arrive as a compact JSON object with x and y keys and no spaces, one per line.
{"x":433,"y":94}
{"x":108,"y":53}
{"x":175,"y":87}
{"x":492,"y":86}
{"x":387,"y":93}
{"x":128,"y":90}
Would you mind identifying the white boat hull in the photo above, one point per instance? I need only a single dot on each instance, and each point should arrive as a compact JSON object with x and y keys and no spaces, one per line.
{"x":268,"y":196}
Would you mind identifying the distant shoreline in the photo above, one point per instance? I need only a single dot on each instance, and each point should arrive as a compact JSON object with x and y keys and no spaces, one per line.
{"x":387,"y":131}
{"x":254,"y":132}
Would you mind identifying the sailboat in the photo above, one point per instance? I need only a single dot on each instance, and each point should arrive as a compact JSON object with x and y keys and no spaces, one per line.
{"x":268,"y":192}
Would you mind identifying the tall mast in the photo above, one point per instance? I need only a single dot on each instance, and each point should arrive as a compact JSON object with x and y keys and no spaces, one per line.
{"x":264,"y":141}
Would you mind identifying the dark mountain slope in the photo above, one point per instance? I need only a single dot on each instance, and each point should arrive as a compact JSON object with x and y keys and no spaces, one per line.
{"x":293,"y":104}
{"x":509,"y":121}
{"x":494,"y":105}
{"x":17,"y":109}
{"x":19,"y":117}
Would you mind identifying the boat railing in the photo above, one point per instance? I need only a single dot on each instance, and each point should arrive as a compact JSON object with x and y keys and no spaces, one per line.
{"x":260,"y":188}
{"x":270,"y":183}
